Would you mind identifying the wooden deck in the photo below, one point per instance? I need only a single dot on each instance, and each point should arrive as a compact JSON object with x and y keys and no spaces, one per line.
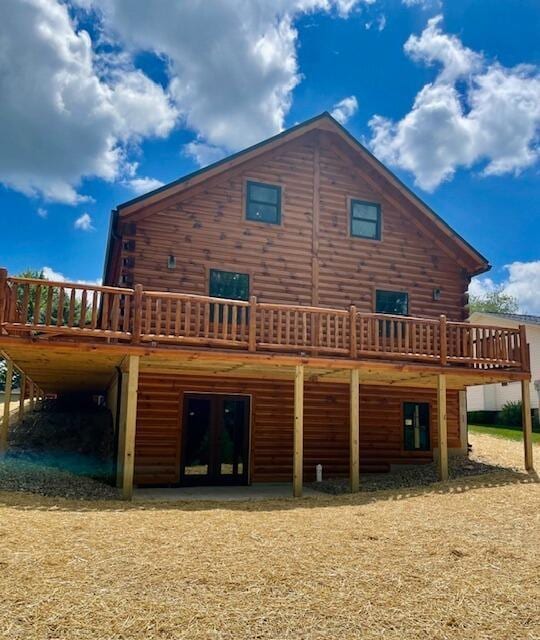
{"x":49,"y":311}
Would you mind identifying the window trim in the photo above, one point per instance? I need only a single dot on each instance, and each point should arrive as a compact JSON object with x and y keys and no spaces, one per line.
{"x":391,"y":289}
{"x":350,"y":202}
{"x":280,"y":189}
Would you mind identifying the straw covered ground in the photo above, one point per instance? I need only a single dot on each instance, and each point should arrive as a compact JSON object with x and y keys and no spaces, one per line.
{"x":454,"y":561}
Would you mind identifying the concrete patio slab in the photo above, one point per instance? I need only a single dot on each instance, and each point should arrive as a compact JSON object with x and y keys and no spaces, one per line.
{"x":259,"y":491}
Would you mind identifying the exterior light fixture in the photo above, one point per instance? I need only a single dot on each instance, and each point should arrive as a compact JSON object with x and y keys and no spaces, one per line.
{"x":436,"y":294}
{"x":171,"y":262}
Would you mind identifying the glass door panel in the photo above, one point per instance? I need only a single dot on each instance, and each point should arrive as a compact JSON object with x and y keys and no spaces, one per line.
{"x":197,"y":437}
{"x":232,"y":438}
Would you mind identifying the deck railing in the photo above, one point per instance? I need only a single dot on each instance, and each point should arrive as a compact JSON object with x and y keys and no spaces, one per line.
{"x":34,"y":306}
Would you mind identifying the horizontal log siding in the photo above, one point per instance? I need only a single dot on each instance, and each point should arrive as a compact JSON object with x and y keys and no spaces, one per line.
{"x":405,"y":259}
{"x":207,"y":228}
{"x":326,"y":426}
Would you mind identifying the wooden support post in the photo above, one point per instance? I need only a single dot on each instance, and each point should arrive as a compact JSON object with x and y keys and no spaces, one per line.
{"x":3,"y":295}
{"x":354,"y":442}
{"x":22,"y":395}
{"x":137,"y":313}
{"x":298,"y":431}
{"x":527,"y":424}
{"x":252,"y":325}
{"x":443,"y":341}
{"x":353,"y":349}
{"x":112,"y":400}
{"x":4,"y":430}
{"x":463,"y":422}
{"x":523,"y":350}
{"x":31,"y":395}
{"x":128,"y":420}
{"x":442,"y":427}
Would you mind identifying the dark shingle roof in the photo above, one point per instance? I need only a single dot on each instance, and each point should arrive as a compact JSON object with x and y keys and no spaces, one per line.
{"x":518,"y":317}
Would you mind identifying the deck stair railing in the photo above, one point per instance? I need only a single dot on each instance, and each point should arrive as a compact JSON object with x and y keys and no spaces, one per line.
{"x":36,"y":306}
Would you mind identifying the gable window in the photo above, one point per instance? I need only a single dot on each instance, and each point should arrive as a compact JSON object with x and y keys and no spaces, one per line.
{"x":263,"y":202}
{"x":365,"y":219}
{"x":393,"y":302}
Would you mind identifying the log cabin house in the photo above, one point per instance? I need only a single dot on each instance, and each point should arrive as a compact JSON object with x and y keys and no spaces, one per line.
{"x":291,"y":305}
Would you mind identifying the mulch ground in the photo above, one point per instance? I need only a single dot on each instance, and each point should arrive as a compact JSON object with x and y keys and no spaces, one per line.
{"x":460,"y":560}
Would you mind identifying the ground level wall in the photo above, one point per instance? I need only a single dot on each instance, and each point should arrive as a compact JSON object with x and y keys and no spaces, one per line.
{"x":326,"y":426}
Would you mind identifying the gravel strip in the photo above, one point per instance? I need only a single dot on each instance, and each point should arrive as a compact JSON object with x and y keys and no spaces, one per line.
{"x":408,"y":476}
{"x":22,"y":475}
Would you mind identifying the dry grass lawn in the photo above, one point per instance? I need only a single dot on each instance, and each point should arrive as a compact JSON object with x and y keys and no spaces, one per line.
{"x":455,"y":561}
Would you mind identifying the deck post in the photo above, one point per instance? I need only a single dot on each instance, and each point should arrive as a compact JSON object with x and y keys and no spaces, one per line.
{"x":7,"y":400}
{"x":463,"y":422}
{"x":252,"y":324}
{"x":442,"y":427}
{"x":128,"y":420}
{"x":137,"y":313}
{"x":354,"y":441}
{"x":31,"y":395}
{"x":21,"y":395}
{"x":298,"y":430}
{"x":442,"y":340}
{"x":3,"y":292}
{"x":527,"y":424}
{"x":353,"y":349}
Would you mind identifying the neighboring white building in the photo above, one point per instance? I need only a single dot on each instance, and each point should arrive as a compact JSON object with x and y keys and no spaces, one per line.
{"x":492,"y":397}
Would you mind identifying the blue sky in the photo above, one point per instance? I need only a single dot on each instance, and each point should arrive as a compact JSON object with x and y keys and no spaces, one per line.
{"x":102,"y":99}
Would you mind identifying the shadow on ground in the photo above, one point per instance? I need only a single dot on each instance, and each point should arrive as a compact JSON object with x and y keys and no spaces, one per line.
{"x":33,"y":502}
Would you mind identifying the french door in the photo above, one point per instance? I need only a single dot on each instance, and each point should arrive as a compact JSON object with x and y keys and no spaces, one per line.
{"x":215,"y":439}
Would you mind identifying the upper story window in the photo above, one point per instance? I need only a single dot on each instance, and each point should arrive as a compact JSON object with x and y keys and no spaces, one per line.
{"x":365,"y":219}
{"x":393,"y":302}
{"x":229,"y":284}
{"x":263,"y":202}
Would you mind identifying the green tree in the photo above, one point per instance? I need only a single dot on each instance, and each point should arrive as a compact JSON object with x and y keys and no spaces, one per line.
{"x":43,"y":297}
{"x":494,"y":302}
{"x":3,"y":371}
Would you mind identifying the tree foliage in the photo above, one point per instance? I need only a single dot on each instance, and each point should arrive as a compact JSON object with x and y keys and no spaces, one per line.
{"x":494,"y":302}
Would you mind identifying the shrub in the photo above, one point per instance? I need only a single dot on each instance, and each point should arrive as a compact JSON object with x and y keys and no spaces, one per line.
{"x":510,"y":414}
{"x":482,"y":417}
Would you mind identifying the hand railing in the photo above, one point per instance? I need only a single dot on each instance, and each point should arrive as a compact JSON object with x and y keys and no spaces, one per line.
{"x":44,"y":306}
{"x":36,"y":306}
{"x":193,"y":319}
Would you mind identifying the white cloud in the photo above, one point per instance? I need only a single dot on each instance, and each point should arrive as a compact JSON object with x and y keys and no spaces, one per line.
{"x":380,"y":23}
{"x":143,"y":185}
{"x":522,"y":282}
{"x":67,"y":113}
{"x":232,"y":68}
{"x":474,"y":112}
{"x":345,"y":109}
{"x":50,"y":274}
{"x":42,"y":213}
{"x":83,"y":222}
{"x":423,"y":4}
{"x":203,"y":153}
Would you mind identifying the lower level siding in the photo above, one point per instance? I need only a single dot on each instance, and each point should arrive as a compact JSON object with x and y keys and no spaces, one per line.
{"x":326,"y":426}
